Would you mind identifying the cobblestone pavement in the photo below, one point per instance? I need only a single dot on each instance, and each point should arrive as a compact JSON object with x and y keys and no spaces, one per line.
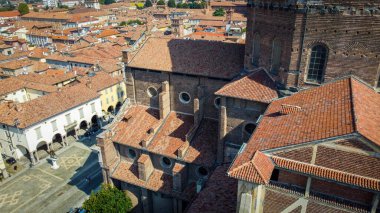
{"x":42,"y":189}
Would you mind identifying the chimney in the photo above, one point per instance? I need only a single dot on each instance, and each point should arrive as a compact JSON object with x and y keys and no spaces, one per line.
{"x":18,"y":107}
{"x":89,"y":84}
{"x":145,"y":167}
{"x":287,"y":109}
{"x":126,"y":56}
{"x":179,"y":177}
{"x":164,"y":100}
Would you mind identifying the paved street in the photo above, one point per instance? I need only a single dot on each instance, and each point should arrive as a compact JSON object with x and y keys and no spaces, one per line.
{"x":42,"y":189}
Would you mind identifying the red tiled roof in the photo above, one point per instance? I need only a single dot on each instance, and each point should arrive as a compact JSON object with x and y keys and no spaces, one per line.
{"x":171,"y":135}
{"x":46,"y":106}
{"x":256,"y":86}
{"x":196,"y":57}
{"x":326,"y":112}
{"x":202,"y":149}
{"x":366,"y":103}
{"x":258,"y":170}
{"x":158,"y":181}
{"x":218,"y":195}
{"x":10,"y":13}
{"x":101,"y":81}
{"x":140,"y":120}
{"x":107,"y":32}
{"x":12,"y":84}
{"x":332,"y":174}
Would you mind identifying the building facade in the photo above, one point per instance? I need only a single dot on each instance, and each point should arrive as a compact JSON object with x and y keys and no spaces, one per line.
{"x":306,"y":43}
{"x":23,"y":132}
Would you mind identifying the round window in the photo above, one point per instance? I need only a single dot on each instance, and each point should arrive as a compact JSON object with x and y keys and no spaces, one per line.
{"x":202,"y":171}
{"x":166,"y":162}
{"x":217,"y":102}
{"x":249,"y":128}
{"x":152,"y":92}
{"x":184,"y":97}
{"x":131,"y":153}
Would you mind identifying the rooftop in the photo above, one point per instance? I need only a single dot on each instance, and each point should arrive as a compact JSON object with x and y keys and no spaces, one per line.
{"x":255,"y":86}
{"x":191,"y":57}
{"x":46,"y":106}
{"x":334,"y":110}
{"x":218,"y":194}
{"x":13,"y":84}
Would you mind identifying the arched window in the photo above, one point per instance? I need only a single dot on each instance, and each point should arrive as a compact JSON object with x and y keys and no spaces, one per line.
{"x":276,"y":56}
{"x":256,"y":50}
{"x":317,"y":64}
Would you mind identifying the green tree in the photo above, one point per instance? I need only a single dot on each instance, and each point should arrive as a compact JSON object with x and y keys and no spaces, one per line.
{"x":23,"y":8}
{"x":101,"y":1}
{"x":219,"y":12}
{"x":108,"y":199}
{"x":161,"y":2}
{"x":106,"y":2}
{"x":123,"y":23}
{"x":171,"y":3}
{"x":148,"y":3}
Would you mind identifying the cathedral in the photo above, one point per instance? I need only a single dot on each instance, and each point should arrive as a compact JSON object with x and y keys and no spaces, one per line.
{"x":288,"y":122}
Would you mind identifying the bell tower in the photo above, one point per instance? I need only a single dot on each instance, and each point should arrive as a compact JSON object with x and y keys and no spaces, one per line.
{"x":304,"y":43}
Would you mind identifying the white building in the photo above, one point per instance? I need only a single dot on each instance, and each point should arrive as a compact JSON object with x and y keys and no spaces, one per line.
{"x":50,"y":3}
{"x":92,"y":4}
{"x":16,"y":90}
{"x":37,"y":124}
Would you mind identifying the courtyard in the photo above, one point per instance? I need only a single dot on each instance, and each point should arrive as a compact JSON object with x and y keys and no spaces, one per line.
{"x":42,"y":189}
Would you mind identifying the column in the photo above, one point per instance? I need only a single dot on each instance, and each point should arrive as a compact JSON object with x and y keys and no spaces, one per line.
{"x":37,"y":157}
{"x":222,"y":130}
{"x":31,"y":155}
{"x":5,"y":173}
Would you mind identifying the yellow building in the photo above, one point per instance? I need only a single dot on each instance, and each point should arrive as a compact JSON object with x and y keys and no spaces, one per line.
{"x":112,"y":90}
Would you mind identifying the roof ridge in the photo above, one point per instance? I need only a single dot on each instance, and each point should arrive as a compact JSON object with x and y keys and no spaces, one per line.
{"x":257,"y":168}
{"x":353,"y":105}
{"x":335,"y":170}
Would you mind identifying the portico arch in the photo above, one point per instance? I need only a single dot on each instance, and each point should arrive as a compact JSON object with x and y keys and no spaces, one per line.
{"x":118,"y":106}
{"x":42,"y":150}
{"x":23,"y":152}
{"x":83,"y":125}
{"x":110,"y":109}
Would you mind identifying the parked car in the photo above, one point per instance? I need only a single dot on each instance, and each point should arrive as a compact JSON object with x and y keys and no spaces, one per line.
{"x":167,"y":33}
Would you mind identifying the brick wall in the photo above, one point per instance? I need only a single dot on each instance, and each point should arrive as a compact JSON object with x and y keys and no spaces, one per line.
{"x":140,"y":80}
{"x":239,"y":113}
{"x":341,"y":191}
{"x":292,"y":179}
{"x":352,"y":42}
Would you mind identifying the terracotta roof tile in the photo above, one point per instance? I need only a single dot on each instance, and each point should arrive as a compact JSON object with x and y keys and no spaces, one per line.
{"x":17,"y":64}
{"x":202,"y":150}
{"x":171,"y":135}
{"x":47,"y":106}
{"x":366,"y":103}
{"x":157,"y":182}
{"x":218,"y":195}
{"x":256,"y":86}
{"x":258,"y":170}
{"x":50,"y":77}
{"x":133,"y":128}
{"x":13,"y":84}
{"x":191,"y":57}
{"x":101,"y":81}
{"x":326,"y":112}
{"x":332,"y":174}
